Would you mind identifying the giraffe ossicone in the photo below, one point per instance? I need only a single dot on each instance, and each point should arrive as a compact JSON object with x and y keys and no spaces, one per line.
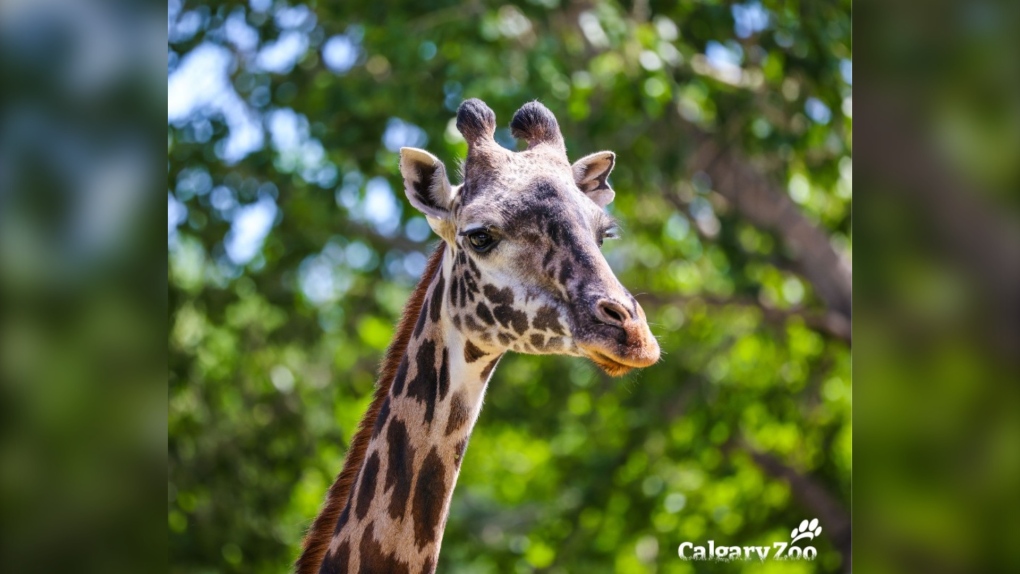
{"x":519,"y":269}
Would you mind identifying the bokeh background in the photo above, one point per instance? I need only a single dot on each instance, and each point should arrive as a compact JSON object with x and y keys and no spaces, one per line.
{"x":82,"y":300}
{"x":292,"y":250}
{"x":937,"y":299}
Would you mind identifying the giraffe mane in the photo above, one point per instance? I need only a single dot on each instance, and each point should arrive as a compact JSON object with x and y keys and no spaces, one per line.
{"x":320,"y":534}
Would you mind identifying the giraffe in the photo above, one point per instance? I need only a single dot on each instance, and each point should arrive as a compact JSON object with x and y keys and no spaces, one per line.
{"x":519,"y":268}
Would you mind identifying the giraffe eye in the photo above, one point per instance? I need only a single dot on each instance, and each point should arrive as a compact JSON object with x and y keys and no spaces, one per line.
{"x":610,"y":233}
{"x":481,"y":241}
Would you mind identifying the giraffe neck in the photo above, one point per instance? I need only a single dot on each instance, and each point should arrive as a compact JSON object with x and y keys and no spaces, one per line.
{"x":397,"y":508}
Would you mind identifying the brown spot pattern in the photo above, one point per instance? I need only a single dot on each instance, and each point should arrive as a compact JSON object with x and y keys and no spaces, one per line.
{"x":484,"y":314}
{"x":453,"y":294}
{"x":429,"y":496}
{"x":504,"y":296}
{"x":458,"y":414}
{"x":344,"y":516}
{"x":419,"y":326}
{"x":436,"y":304}
{"x":366,"y":490}
{"x":508,"y":316}
{"x":398,"y":468}
{"x":547,"y":319}
{"x":472,"y":353}
{"x":375,"y":560}
{"x":380,"y":421}
{"x":398,"y":380}
{"x":339,"y":562}
{"x":425,"y":385}
{"x":444,"y":374}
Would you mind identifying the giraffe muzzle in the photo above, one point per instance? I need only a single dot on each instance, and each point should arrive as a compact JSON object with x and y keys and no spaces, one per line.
{"x":620,"y":339}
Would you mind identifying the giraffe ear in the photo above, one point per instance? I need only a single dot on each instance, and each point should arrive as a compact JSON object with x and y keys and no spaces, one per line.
{"x":425,"y":182}
{"x":590,"y":174}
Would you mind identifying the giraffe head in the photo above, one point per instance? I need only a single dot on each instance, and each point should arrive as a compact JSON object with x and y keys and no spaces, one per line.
{"x":525,"y":231}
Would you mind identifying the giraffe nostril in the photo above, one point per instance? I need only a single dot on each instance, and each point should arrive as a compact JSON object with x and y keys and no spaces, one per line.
{"x":611,"y":312}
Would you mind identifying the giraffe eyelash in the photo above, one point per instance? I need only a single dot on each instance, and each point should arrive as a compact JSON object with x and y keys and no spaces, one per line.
{"x":475,"y":229}
{"x":610,"y":231}
{"x":610,"y":228}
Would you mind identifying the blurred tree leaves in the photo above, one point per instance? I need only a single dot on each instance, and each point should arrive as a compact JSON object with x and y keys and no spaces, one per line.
{"x":292,"y":251}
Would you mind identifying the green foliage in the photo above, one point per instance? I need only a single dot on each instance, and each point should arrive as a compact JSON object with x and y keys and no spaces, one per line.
{"x":272,"y":358}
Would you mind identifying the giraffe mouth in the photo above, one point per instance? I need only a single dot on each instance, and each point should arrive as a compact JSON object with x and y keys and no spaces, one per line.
{"x":611,"y":366}
{"x":616,"y":357}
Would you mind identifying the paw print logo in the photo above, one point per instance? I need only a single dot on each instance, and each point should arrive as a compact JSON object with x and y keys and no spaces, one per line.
{"x":809,"y":530}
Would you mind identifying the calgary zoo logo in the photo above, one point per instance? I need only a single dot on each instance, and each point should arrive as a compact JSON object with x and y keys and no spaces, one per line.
{"x":807,"y":530}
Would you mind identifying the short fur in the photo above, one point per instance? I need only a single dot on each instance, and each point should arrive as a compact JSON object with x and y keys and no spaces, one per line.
{"x":320,"y":534}
{"x":535,"y":124}
{"x":475,"y":120}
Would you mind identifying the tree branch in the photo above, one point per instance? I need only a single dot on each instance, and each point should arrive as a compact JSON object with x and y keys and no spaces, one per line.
{"x":829,"y":323}
{"x":769,"y":208}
